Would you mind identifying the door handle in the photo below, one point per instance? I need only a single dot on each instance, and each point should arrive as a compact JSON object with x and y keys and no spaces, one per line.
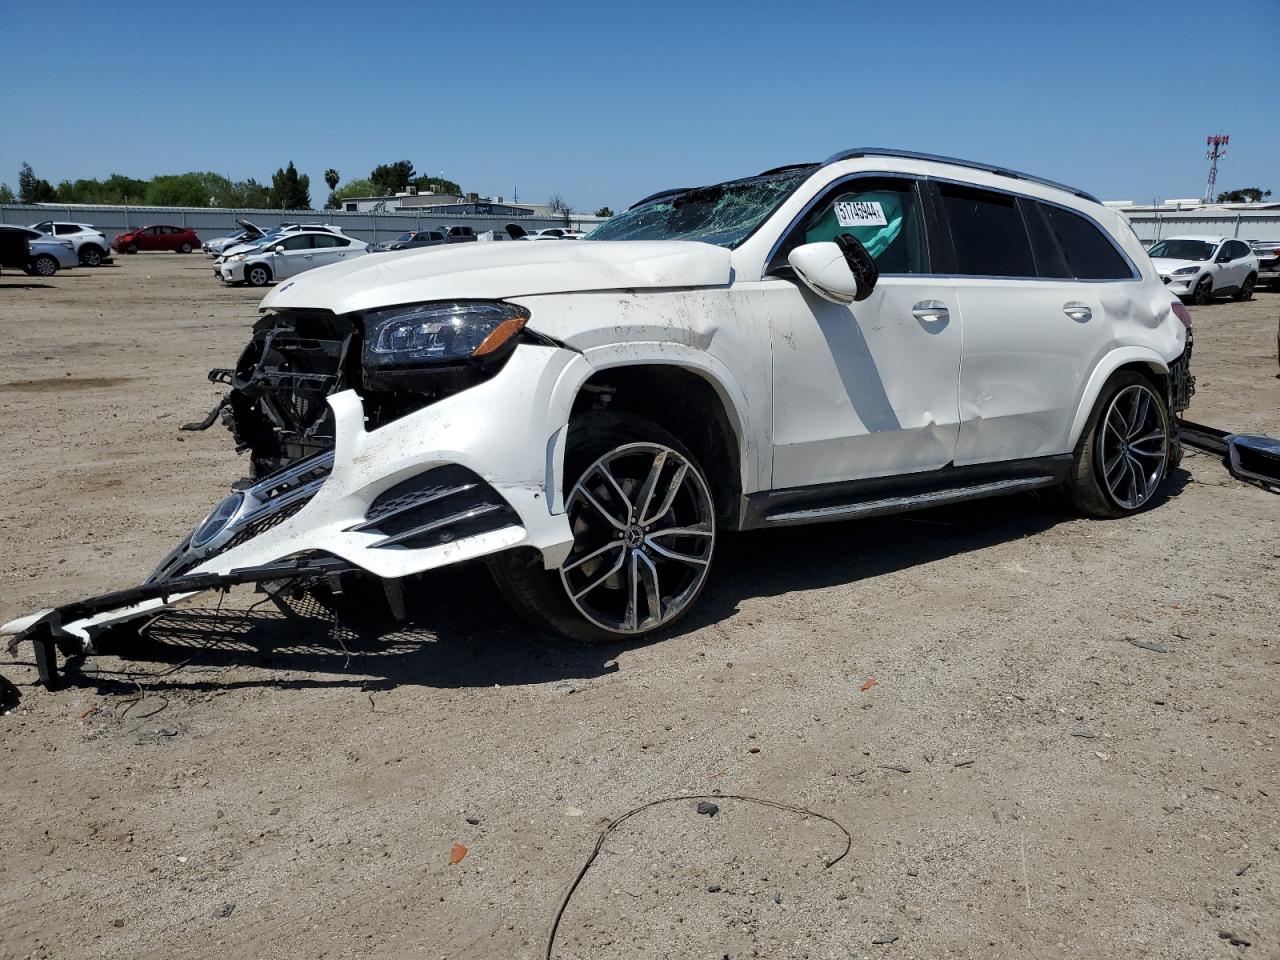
{"x":1077,"y":311}
{"x":930,"y":310}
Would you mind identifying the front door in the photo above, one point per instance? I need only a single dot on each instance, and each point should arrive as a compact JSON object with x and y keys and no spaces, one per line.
{"x":868,"y":389}
{"x":296,"y":256}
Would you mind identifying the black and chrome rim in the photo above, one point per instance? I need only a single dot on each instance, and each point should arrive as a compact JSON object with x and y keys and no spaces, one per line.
{"x":257,"y":276}
{"x":643,"y":533}
{"x":46,"y":267}
{"x":1133,"y":446}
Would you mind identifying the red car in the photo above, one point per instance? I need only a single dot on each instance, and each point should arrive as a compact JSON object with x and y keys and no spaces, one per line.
{"x":179,"y":239}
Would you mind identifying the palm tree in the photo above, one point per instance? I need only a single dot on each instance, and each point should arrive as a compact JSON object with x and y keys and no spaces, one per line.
{"x":331,"y":178}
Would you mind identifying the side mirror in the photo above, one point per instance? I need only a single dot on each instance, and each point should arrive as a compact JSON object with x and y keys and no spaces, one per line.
{"x":840,"y":271}
{"x":278,"y":249}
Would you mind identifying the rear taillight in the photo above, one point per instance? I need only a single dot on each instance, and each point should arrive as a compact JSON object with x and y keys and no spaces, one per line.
{"x":1182,"y":313}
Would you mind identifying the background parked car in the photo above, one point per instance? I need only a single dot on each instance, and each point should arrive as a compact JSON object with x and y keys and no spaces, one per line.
{"x":90,"y":243}
{"x":412,"y":240}
{"x":1268,"y":254}
{"x":157,"y":237}
{"x":275,"y":233}
{"x":1202,"y":267}
{"x":247,"y":233}
{"x":35,"y":253}
{"x":288,"y":255}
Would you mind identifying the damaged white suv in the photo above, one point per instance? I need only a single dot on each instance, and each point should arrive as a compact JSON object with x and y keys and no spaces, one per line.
{"x":880,"y":332}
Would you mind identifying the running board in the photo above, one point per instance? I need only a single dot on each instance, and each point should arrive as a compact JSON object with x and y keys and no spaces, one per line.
{"x":902,"y":504}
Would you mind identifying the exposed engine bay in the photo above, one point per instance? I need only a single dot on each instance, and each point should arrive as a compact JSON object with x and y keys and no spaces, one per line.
{"x":277,"y":407}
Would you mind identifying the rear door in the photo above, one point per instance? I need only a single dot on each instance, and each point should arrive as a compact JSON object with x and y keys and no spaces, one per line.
{"x":150,"y":238}
{"x":328,"y":249}
{"x":1035,"y":283}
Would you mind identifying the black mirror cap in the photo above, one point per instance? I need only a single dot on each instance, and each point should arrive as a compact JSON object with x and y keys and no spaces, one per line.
{"x":860,"y":262}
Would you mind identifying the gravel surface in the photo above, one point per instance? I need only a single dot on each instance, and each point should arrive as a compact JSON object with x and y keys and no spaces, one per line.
{"x":1070,"y":749}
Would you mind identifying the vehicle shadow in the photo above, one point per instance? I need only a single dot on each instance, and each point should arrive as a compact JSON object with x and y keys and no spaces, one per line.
{"x":25,"y":286}
{"x":459,"y":633}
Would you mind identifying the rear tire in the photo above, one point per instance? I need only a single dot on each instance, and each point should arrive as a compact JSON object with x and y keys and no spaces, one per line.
{"x":644,"y":533}
{"x":1203,"y":292}
{"x":44,"y":265}
{"x":90,"y":256}
{"x":1246,"y":290}
{"x":185,"y":248}
{"x":1126,"y":449}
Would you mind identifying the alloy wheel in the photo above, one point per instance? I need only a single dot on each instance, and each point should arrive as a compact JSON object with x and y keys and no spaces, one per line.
{"x":1133,"y":446}
{"x":1203,"y":291}
{"x":644,"y":531}
{"x":90,"y":257}
{"x":46,"y":266}
{"x":257,"y":276}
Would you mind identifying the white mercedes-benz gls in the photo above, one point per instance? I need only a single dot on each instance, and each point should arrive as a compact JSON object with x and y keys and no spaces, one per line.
{"x":879,"y":332}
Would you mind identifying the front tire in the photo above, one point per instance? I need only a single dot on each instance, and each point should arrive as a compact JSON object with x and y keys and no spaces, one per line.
{"x":257,"y":275}
{"x":1203,"y":292}
{"x":1246,"y":290}
{"x":44,"y":265}
{"x":90,"y":256}
{"x":132,"y":248}
{"x":643,"y":522}
{"x":1124,"y":453}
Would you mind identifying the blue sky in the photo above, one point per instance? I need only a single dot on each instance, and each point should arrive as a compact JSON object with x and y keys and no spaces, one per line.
{"x":604,"y":102}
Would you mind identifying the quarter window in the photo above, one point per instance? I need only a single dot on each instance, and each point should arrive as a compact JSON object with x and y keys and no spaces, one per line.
{"x":987,"y":232}
{"x":1089,"y":253}
{"x":65,"y":228}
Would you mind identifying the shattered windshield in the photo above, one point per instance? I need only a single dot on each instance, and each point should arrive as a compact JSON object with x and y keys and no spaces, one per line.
{"x":724,"y":214}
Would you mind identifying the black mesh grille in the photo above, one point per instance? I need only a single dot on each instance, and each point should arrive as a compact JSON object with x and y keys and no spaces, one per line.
{"x":259,"y":527}
{"x":438,"y":506}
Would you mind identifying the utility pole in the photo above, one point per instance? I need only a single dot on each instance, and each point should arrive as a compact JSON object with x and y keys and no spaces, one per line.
{"x":1217,"y":150}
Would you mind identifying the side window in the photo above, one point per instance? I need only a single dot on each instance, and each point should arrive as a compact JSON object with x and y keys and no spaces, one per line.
{"x":65,"y":228}
{"x":1239,"y":249}
{"x":988,"y":233}
{"x":44,"y":227}
{"x":1090,"y":255}
{"x":301,"y":241}
{"x":328,"y":240}
{"x":1051,"y":262}
{"x":882,"y":213}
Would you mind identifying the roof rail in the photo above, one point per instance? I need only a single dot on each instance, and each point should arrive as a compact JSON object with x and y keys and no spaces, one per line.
{"x":971,"y":164}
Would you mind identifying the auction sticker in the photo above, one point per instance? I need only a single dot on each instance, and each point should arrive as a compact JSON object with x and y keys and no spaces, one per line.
{"x":860,"y":213}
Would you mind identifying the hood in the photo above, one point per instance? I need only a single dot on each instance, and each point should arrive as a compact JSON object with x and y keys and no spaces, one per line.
{"x":251,"y":246}
{"x":250,"y":226}
{"x":1168,"y":265}
{"x":491,"y":271}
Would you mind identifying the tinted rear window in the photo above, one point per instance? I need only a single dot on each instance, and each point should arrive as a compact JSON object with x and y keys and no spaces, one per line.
{"x":987,"y":231}
{"x":1090,"y":255}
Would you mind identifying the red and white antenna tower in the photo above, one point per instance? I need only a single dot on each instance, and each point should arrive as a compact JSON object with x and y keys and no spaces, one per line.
{"x":1217,"y":150}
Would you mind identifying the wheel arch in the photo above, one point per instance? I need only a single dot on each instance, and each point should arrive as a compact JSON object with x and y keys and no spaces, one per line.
{"x":1143,"y":360}
{"x":667,"y":389}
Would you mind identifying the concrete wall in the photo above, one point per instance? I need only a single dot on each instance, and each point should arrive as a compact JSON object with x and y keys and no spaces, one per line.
{"x":1150,"y":227}
{"x":216,"y":222}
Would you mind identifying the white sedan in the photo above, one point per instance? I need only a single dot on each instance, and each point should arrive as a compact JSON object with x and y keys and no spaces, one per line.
{"x":288,"y":256}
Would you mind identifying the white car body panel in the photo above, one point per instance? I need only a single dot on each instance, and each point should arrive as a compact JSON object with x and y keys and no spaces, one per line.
{"x":816,"y":393}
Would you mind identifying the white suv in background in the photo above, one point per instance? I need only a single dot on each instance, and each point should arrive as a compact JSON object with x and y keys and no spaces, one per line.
{"x":879,"y":332}
{"x":91,"y":244}
{"x":1203,"y":267}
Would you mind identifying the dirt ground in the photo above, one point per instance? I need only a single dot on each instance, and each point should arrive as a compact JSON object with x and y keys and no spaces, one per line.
{"x":1070,"y":750}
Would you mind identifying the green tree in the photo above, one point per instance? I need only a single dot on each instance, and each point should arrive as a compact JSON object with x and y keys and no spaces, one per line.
{"x":187,"y":190}
{"x":604,"y":212}
{"x":392,"y":178}
{"x":437,"y":185}
{"x":290,"y":190}
{"x":6,"y":195}
{"x":332,"y":178}
{"x":356,"y":188}
{"x":249,"y":193}
{"x":31,"y":189}
{"x":1243,"y":195}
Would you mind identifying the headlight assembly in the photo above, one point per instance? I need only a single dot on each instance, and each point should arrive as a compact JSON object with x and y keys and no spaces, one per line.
{"x":1183,"y":271}
{"x":425,"y":334}
{"x":239,"y":257}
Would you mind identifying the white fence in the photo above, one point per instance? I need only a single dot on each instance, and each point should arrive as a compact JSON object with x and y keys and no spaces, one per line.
{"x":213,"y":222}
{"x":1152,"y":226}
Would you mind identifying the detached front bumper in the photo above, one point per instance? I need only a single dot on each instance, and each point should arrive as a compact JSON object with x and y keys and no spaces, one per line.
{"x":470,"y":475}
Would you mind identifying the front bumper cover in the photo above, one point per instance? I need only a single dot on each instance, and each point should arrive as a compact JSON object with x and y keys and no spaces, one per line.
{"x":470,"y":475}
